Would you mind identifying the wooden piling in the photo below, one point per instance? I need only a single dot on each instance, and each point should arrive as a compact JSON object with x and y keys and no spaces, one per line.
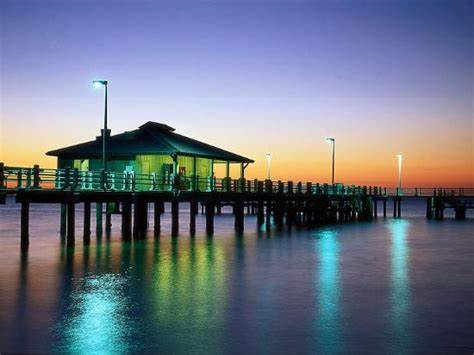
{"x":210,"y":209}
{"x":260,"y":213}
{"x":140,"y":219}
{"x":126,"y":220}
{"x":268,"y":213}
{"x":87,"y":223}
{"x":174,"y":217}
{"x":385,"y":207}
{"x":62,"y":228}
{"x":71,"y":225}
{"x":239,"y":217}
{"x":25,"y":225}
{"x":460,"y":211}
{"x":108,"y":221}
{"x":399,"y":207}
{"x":98,"y":219}
{"x":193,"y":209}
{"x":157,"y":211}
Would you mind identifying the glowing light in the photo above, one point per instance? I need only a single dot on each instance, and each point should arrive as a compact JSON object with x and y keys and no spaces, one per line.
{"x":97,"y":84}
{"x":269,"y":165}
{"x":331,"y":140}
{"x":399,"y":157}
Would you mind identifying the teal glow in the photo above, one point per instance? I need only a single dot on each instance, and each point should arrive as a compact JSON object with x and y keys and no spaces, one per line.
{"x":400,"y":286}
{"x":98,"y":321}
{"x":328,"y":289}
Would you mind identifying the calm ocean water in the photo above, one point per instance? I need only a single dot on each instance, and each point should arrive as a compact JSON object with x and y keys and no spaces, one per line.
{"x":391,"y":286}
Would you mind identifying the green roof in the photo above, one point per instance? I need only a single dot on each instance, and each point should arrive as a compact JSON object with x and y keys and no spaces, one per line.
{"x":149,"y":138}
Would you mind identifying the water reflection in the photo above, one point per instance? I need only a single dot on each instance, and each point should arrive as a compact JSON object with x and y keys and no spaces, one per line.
{"x":148,"y":290}
{"x":329,"y":316}
{"x":189,"y":292}
{"x":400,"y":288}
{"x":94,"y":315}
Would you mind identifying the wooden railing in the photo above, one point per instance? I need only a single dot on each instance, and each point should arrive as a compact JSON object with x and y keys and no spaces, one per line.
{"x":13,"y":178}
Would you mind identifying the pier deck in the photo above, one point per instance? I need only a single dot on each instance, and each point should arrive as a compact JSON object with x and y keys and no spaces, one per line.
{"x":277,"y":202}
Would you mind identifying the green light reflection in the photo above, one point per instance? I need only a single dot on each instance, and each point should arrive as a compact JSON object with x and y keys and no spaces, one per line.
{"x":189,"y":292}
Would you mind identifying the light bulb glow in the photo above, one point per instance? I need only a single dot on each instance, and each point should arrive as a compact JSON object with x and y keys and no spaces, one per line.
{"x":97,"y":84}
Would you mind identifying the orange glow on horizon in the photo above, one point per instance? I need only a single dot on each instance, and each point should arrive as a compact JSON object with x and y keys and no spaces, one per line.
{"x":356,"y":163}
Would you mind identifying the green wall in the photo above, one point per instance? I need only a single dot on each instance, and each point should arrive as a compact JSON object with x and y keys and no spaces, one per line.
{"x":162,"y":165}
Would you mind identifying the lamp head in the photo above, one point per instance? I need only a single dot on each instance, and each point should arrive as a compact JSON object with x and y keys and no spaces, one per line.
{"x":330,"y":139}
{"x":96,"y":84}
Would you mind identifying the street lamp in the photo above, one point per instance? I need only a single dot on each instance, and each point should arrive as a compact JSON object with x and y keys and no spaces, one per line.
{"x":269,"y":164}
{"x":98,"y":84}
{"x":330,"y":140}
{"x":399,"y":158}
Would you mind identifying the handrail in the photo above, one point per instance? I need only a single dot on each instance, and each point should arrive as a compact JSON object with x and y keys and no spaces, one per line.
{"x":14,"y":178}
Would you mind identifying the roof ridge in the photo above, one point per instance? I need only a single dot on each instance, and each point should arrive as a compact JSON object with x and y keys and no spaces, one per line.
{"x":163,"y":138}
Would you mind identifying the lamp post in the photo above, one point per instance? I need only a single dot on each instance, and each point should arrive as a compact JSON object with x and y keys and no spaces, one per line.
{"x":98,"y":84}
{"x":399,"y":158}
{"x":269,"y":165}
{"x":333,"y":141}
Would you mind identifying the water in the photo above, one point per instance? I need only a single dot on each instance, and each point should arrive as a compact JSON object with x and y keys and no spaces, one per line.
{"x":392,"y":286}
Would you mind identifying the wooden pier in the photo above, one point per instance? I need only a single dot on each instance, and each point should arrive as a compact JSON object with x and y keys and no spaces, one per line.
{"x":273,"y":202}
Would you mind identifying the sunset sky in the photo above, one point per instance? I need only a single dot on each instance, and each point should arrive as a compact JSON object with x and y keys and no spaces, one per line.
{"x":382,"y":77}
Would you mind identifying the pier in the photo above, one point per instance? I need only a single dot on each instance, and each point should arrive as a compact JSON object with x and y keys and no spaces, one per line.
{"x":273,"y":202}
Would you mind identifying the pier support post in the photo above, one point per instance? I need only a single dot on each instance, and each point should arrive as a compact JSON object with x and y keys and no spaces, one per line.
{"x":210,"y":206}
{"x":278,"y":213}
{"x":108,"y":220}
{"x":87,"y":223}
{"x":174,"y":217}
{"x":25,"y":225}
{"x":98,"y":218}
{"x":429,"y":208}
{"x":460,"y":211}
{"x":140,"y":219}
{"x":193,"y":207}
{"x":394,"y":207}
{"x":268,"y":213}
{"x":71,"y":225}
{"x":375,"y":207}
{"x":239,"y":216}
{"x":385,"y":207}
{"x":290,"y":214}
{"x":126,"y":220}
{"x":62,"y":228}
{"x":157,"y":211}
{"x":399,"y":207}
{"x":260,"y":213}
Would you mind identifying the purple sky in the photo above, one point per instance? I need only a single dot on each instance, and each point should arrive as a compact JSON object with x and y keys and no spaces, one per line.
{"x":281,"y":74}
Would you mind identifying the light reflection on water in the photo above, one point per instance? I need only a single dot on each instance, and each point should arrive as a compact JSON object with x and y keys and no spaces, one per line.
{"x":182,"y":288}
{"x":401,"y":296}
{"x":329,"y":321}
{"x":375,"y":287}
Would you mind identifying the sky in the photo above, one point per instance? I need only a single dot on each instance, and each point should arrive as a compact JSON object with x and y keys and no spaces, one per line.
{"x":254,"y":77}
